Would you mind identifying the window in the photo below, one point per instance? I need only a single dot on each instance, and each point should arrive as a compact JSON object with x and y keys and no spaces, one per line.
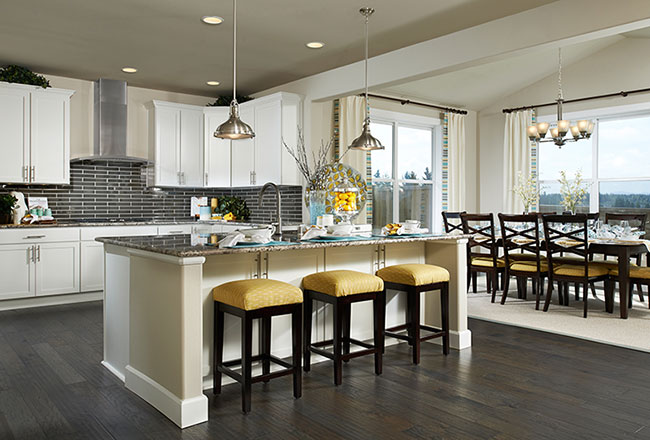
{"x":614,"y":162}
{"x":404,"y":184}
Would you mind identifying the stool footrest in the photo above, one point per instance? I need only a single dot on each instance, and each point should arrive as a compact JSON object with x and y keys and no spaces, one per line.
{"x":436,"y":332}
{"x":223,"y":368}
{"x":369,"y":349}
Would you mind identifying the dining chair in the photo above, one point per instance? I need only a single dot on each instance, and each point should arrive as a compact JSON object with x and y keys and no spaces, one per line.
{"x":637,"y":221}
{"x":521,"y":250}
{"x":452,"y":221}
{"x":569,"y":234}
{"x":481,"y":229}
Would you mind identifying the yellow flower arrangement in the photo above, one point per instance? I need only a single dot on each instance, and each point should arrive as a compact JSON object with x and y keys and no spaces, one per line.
{"x":573,"y":192}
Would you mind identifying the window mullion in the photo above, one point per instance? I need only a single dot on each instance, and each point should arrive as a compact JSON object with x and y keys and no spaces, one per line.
{"x":395,"y":176}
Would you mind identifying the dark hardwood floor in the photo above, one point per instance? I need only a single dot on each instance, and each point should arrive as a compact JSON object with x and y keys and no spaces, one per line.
{"x":513,"y":384}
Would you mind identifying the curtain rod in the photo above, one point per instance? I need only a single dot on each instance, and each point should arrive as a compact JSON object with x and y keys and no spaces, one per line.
{"x":408,"y":101}
{"x":588,"y":98}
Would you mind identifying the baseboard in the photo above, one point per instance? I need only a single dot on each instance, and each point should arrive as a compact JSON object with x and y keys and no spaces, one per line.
{"x":184,"y":413}
{"x":54,"y":300}
{"x":113,"y":370}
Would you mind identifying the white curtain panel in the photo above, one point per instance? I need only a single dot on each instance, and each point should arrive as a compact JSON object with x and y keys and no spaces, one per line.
{"x":516,"y":157}
{"x":456,"y":159}
{"x":352,"y":112}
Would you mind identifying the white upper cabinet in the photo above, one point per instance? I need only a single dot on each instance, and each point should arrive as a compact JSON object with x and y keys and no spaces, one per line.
{"x":217,"y":151}
{"x":243,"y":152}
{"x":35,"y":127}
{"x":177,"y":144}
{"x":268,"y":142}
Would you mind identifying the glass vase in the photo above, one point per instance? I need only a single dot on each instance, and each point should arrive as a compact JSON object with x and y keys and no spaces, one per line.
{"x":315,"y":201}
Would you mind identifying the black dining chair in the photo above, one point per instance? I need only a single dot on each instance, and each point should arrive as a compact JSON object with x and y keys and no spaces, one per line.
{"x":481,"y":229}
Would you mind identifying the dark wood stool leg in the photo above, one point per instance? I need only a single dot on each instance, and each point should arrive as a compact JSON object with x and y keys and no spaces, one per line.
{"x":296,"y":334}
{"x":217,"y":348}
{"x":337,"y":340}
{"x":265,"y":345}
{"x":409,"y":318}
{"x":506,"y":287}
{"x":474,"y":282}
{"x":307,"y":314}
{"x":444,"y":309}
{"x":415,"y":323}
{"x":379,"y":307}
{"x":246,"y":362}
{"x":347,"y":318}
{"x":577,"y":291}
{"x":488,"y":282}
{"x":539,"y":287}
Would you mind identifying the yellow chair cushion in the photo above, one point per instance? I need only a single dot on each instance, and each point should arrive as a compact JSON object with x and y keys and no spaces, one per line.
{"x":529,"y":266}
{"x":487,"y":262}
{"x":342,"y":282}
{"x":257,"y":294}
{"x":593,"y":270}
{"x":414,"y":274}
{"x":641,"y":273}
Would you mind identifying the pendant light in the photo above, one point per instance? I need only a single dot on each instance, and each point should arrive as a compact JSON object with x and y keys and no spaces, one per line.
{"x":366,"y":141}
{"x":234,"y":128}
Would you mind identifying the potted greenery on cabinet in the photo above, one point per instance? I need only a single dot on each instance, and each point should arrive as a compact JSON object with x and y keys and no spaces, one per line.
{"x":7,"y":204}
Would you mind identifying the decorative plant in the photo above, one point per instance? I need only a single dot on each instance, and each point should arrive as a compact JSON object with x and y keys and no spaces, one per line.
{"x":573,"y":192}
{"x":313,"y":174}
{"x":22,"y":75}
{"x":224,"y":100}
{"x":237,"y":206}
{"x":527,"y":190}
{"x":7,"y":204}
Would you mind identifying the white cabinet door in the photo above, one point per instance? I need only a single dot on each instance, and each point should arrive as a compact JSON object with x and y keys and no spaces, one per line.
{"x":174,"y":229}
{"x":167,"y":139}
{"x":191,"y":145}
{"x":50,"y":137}
{"x":57,"y":268}
{"x":92,"y":266}
{"x":217,"y":151}
{"x":243,"y":153}
{"x":16,"y":271}
{"x":14,"y":126}
{"x":268,"y":142}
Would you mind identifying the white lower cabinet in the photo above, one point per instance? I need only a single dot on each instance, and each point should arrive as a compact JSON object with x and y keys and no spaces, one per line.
{"x":92,"y":266}
{"x":57,"y":268}
{"x":17,"y":271}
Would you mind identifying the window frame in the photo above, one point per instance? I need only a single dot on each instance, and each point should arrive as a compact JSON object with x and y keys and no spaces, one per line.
{"x":396,"y":120}
{"x":598,"y":115}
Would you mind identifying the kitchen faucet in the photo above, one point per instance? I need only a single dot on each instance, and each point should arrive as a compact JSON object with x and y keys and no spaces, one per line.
{"x":278,"y":230}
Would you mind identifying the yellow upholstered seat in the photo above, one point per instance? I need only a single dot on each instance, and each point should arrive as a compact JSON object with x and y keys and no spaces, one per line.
{"x":487,"y":262}
{"x":257,"y":294}
{"x":594,"y":270}
{"x":414,"y":274}
{"x":642,"y":273}
{"x":342,"y":282}
{"x":529,"y":266}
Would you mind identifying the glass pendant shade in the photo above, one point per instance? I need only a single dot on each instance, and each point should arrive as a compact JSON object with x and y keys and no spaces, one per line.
{"x":542,"y":128}
{"x":366,"y":141}
{"x":234,"y":128}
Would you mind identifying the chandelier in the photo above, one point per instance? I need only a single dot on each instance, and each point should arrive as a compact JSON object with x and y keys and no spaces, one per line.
{"x":581,"y":130}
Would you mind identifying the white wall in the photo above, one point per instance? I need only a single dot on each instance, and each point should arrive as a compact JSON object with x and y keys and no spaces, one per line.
{"x":622,"y":66}
{"x":81,"y":115}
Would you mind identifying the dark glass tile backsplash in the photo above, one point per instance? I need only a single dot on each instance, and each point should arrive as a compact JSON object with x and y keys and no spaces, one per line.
{"x":102,"y":189}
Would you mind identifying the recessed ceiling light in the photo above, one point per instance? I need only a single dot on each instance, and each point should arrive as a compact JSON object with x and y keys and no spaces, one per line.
{"x":211,"y":19}
{"x":315,"y":45}
{"x":129,"y":69}
{"x":213,"y":83}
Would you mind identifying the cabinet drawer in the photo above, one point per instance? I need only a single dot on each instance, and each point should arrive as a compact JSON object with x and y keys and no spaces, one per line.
{"x":89,"y":234}
{"x":174,"y":229}
{"x":38,"y":235}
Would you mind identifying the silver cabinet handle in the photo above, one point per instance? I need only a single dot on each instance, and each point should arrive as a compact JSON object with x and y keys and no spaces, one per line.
{"x":183,"y":176}
{"x":174,"y":232}
{"x":33,"y":237}
{"x":25,"y":174}
{"x":206,"y":179}
{"x":38,"y":253}
{"x":29,"y":257}
{"x":32,"y":174}
{"x":178,"y":177}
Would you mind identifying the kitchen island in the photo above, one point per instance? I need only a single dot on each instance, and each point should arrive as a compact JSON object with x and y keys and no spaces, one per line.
{"x":158,"y":304}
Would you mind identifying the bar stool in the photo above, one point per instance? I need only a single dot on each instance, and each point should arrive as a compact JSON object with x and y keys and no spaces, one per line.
{"x":257,"y":299}
{"x":341,"y":288}
{"x":414,"y":279}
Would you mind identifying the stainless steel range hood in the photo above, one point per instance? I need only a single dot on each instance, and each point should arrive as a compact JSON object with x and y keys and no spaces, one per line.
{"x":110,"y":115}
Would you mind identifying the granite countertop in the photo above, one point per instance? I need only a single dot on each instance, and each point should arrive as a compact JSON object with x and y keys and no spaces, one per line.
{"x":147,"y":222}
{"x":181,"y":245}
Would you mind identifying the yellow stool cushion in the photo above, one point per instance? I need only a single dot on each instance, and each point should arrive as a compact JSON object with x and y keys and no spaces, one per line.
{"x":640,"y":273}
{"x":594,"y":270}
{"x":257,"y":294}
{"x":342,"y":282}
{"x":414,"y":274}
{"x":487,"y":262}
{"x":529,"y":266}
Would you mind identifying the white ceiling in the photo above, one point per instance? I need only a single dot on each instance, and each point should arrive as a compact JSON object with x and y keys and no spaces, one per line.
{"x":174,"y":51}
{"x":476,"y":87}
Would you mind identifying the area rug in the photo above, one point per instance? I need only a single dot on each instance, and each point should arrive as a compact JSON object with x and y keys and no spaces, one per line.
{"x":599,"y":326}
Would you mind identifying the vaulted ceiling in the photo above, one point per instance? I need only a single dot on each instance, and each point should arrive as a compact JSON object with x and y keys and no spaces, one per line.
{"x":173,"y":50}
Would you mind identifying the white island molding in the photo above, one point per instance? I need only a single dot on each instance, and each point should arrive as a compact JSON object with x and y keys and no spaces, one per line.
{"x":158,"y":305}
